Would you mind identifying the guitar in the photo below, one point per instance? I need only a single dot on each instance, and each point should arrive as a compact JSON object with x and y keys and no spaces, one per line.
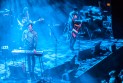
{"x":25,"y":22}
{"x":39,"y":20}
{"x":77,"y":26}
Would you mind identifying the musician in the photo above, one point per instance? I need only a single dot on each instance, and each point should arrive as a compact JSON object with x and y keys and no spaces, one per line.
{"x":24,"y":19}
{"x":120,"y":75}
{"x":29,"y":38}
{"x":71,"y":19}
{"x":75,"y":24}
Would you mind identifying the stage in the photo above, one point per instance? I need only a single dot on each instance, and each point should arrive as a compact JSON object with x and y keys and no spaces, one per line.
{"x":47,"y":26}
{"x":58,"y":61}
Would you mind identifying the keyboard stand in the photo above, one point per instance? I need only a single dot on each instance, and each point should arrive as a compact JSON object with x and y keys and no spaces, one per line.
{"x":41,"y":65}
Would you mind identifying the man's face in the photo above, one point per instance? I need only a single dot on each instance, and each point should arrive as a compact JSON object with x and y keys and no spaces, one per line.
{"x":30,"y":27}
{"x":75,"y":16}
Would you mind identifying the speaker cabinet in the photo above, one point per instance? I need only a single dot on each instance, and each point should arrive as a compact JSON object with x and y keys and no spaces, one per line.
{"x":85,"y":54}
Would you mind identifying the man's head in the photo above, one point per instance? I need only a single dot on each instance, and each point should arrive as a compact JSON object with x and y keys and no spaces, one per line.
{"x":112,"y":73}
{"x":75,"y":15}
{"x":25,"y":9}
{"x":30,"y":26}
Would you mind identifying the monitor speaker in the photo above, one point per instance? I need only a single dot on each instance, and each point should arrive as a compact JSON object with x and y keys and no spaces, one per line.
{"x":85,"y":54}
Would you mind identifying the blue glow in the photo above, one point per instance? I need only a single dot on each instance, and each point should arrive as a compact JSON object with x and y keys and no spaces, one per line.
{"x":50,"y":18}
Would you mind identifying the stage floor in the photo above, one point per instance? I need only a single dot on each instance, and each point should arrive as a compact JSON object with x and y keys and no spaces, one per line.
{"x":56,"y":54}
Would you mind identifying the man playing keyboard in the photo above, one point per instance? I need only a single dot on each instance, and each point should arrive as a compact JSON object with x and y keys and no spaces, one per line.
{"x":29,"y":38}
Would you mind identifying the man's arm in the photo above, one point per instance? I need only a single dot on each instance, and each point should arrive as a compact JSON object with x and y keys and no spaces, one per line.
{"x":19,"y":23}
{"x":24,"y":35}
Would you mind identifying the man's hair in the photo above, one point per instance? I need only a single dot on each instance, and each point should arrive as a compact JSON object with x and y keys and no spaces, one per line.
{"x":112,"y":73}
{"x":75,"y":9}
{"x":29,"y":24}
{"x":25,"y":9}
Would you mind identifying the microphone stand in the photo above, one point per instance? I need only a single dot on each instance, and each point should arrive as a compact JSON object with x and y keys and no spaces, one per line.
{"x":55,"y":44}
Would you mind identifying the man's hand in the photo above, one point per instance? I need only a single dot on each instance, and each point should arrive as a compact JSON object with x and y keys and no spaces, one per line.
{"x":34,"y":50}
{"x":78,"y":26}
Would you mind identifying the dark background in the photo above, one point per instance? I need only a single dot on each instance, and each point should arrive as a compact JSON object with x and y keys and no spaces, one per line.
{"x":117,"y":16}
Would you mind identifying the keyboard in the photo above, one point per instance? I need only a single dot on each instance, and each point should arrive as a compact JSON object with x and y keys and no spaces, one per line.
{"x":16,"y":51}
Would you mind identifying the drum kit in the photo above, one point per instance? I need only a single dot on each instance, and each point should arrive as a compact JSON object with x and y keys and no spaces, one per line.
{"x":92,"y":19}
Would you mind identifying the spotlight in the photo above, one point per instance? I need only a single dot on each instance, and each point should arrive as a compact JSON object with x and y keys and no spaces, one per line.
{"x":108,"y":4}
